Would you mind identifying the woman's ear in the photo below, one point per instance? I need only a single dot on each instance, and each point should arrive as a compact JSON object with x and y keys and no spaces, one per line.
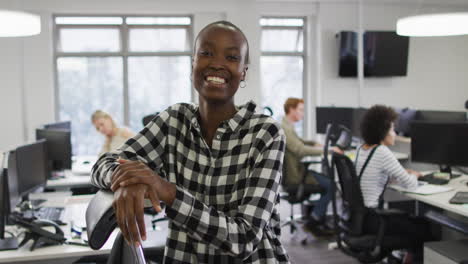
{"x":244,"y":73}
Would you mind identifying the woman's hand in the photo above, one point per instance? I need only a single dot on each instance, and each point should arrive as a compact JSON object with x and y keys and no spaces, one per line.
{"x":415,"y":173}
{"x":128,"y":206}
{"x":133,"y":181}
{"x":136,"y":172}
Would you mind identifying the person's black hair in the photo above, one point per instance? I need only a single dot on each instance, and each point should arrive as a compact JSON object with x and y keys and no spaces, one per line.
{"x":376,"y":123}
{"x":229,"y":24}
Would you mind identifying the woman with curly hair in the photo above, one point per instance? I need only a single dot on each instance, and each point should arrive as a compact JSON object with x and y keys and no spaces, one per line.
{"x":377,"y":129}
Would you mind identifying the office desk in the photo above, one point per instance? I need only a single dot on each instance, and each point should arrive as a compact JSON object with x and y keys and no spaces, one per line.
{"x":441,"y":200}
{"x":69,"y":180}
{"x":351,"y":154}
{"x":75,"y":210}
{"x":78,"y":176}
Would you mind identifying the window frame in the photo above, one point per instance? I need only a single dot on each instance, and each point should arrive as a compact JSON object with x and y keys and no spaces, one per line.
{"x":303,"y":54}
{"x":124,"y":52}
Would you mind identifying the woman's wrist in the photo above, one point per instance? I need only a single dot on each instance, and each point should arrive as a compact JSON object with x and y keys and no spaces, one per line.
{"x":167,"y":192}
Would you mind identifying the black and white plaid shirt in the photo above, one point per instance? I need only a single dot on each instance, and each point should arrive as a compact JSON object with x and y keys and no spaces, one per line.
{"x":225,"y":210}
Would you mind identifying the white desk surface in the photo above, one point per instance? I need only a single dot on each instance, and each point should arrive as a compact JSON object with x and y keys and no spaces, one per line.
{"x":352,"y":155}
{"x":70,"y":180}
{"x":441,"y":200}
{"x":75,"y":209}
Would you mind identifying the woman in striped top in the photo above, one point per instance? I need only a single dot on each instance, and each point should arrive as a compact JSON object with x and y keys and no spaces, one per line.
{"x":378,"y":133}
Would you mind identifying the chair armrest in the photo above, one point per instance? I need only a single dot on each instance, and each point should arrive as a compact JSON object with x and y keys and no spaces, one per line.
{"x":100,"y":219}
{"x":383,"y":215}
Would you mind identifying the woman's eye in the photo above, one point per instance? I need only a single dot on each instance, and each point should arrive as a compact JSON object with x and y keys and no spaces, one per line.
{"x":233,"y":58}
{"x":205,"y":53}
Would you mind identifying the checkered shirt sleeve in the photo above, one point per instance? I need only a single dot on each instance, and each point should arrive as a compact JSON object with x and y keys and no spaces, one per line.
{"x":225,"y":209}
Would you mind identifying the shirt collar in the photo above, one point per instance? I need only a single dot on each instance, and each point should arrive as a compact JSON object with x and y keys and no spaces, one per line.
{"x":242,"y":115}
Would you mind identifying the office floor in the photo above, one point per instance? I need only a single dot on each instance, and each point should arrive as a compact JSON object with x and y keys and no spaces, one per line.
{"x":315,"y":251}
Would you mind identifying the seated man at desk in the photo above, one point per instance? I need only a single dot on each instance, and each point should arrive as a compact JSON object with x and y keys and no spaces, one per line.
{"x":295,"y":171}
{"x":376,"y":166}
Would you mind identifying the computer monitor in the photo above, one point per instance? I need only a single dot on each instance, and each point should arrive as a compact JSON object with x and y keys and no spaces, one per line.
{"x":59,"y":150}
{"x":442,"y":143}
{"x":64,"y":125}
{"x":11,"y":242}
{"x":12,"y":179}
{"x":440,"y":116}
{"x":336,"y":115}
{"x":4,"y":203}
{"x":358,"y":115}
{"x":31,"y":168}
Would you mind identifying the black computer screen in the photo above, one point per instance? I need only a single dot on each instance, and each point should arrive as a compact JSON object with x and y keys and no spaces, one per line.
{"x":3,"y":202}
{"x":358,"y":116}
{"x":65,"y":125}
{"x":31,"y":167}
{"x":440,"y":143}
{"x":440,"y":116}
{"x":336,"y":115}
{"x":59,"y":150}
{"x":13,"y":194}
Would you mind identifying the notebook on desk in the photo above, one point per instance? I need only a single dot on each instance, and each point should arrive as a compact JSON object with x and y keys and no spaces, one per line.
{"x":424,"y":189}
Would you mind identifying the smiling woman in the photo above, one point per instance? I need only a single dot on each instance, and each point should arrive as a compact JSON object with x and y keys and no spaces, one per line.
{"x":216,"y":166}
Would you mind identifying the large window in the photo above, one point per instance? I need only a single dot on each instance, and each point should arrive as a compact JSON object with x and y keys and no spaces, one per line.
{"x":282,"y":61}
{"x":128,"y":66}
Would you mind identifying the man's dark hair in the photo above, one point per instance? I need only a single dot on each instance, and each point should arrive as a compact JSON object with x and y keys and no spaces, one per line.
{"x":229,"y":24}
{"x":376,"y":123}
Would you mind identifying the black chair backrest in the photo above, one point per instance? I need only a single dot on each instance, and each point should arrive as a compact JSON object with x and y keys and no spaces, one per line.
{"x":344,"y":139}
{"x":336,"y":135}
{"x":353,"y":208}
{"x":148,"y":118}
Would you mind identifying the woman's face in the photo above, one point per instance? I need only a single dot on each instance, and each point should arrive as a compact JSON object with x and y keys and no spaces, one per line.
{"x":104,"y":126}
{"x":219,"y":63}
{"x":389,"y":140}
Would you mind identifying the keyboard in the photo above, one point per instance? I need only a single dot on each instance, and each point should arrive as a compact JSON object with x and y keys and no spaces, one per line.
{"x":429,"y":178}
{"x":54,"y":214}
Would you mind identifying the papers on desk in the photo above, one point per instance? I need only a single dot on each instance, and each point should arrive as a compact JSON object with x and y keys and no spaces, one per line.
{"x":425,"y":189}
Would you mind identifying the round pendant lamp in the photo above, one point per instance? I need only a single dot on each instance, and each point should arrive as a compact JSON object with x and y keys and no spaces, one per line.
{"x":433,"y":25}
{"x":19,"y":24}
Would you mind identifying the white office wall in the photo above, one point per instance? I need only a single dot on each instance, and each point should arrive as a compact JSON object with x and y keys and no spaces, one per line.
{"x":11,"y":125}
{"x":437,"y":67}
{"x":436,"y":70}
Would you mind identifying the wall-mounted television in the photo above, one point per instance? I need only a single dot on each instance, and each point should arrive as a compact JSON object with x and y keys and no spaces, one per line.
{"x":385,"y":54}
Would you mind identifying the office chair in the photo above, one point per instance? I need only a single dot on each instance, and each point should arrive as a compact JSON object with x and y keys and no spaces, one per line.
{"x":335,"y":135}
{"x":350,"y":221}
{"x":297,"y":195}
{"x":101,"y":222}
{"x":146,"y":119}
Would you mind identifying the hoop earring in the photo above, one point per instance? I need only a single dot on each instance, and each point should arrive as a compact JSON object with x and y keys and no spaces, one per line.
{"x":242,"y":84}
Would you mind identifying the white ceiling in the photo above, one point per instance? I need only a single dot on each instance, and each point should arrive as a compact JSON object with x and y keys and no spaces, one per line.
{"x":437,"y":2}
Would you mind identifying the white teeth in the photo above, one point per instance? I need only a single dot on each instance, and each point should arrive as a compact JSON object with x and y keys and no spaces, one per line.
{"x":215,"y":79}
